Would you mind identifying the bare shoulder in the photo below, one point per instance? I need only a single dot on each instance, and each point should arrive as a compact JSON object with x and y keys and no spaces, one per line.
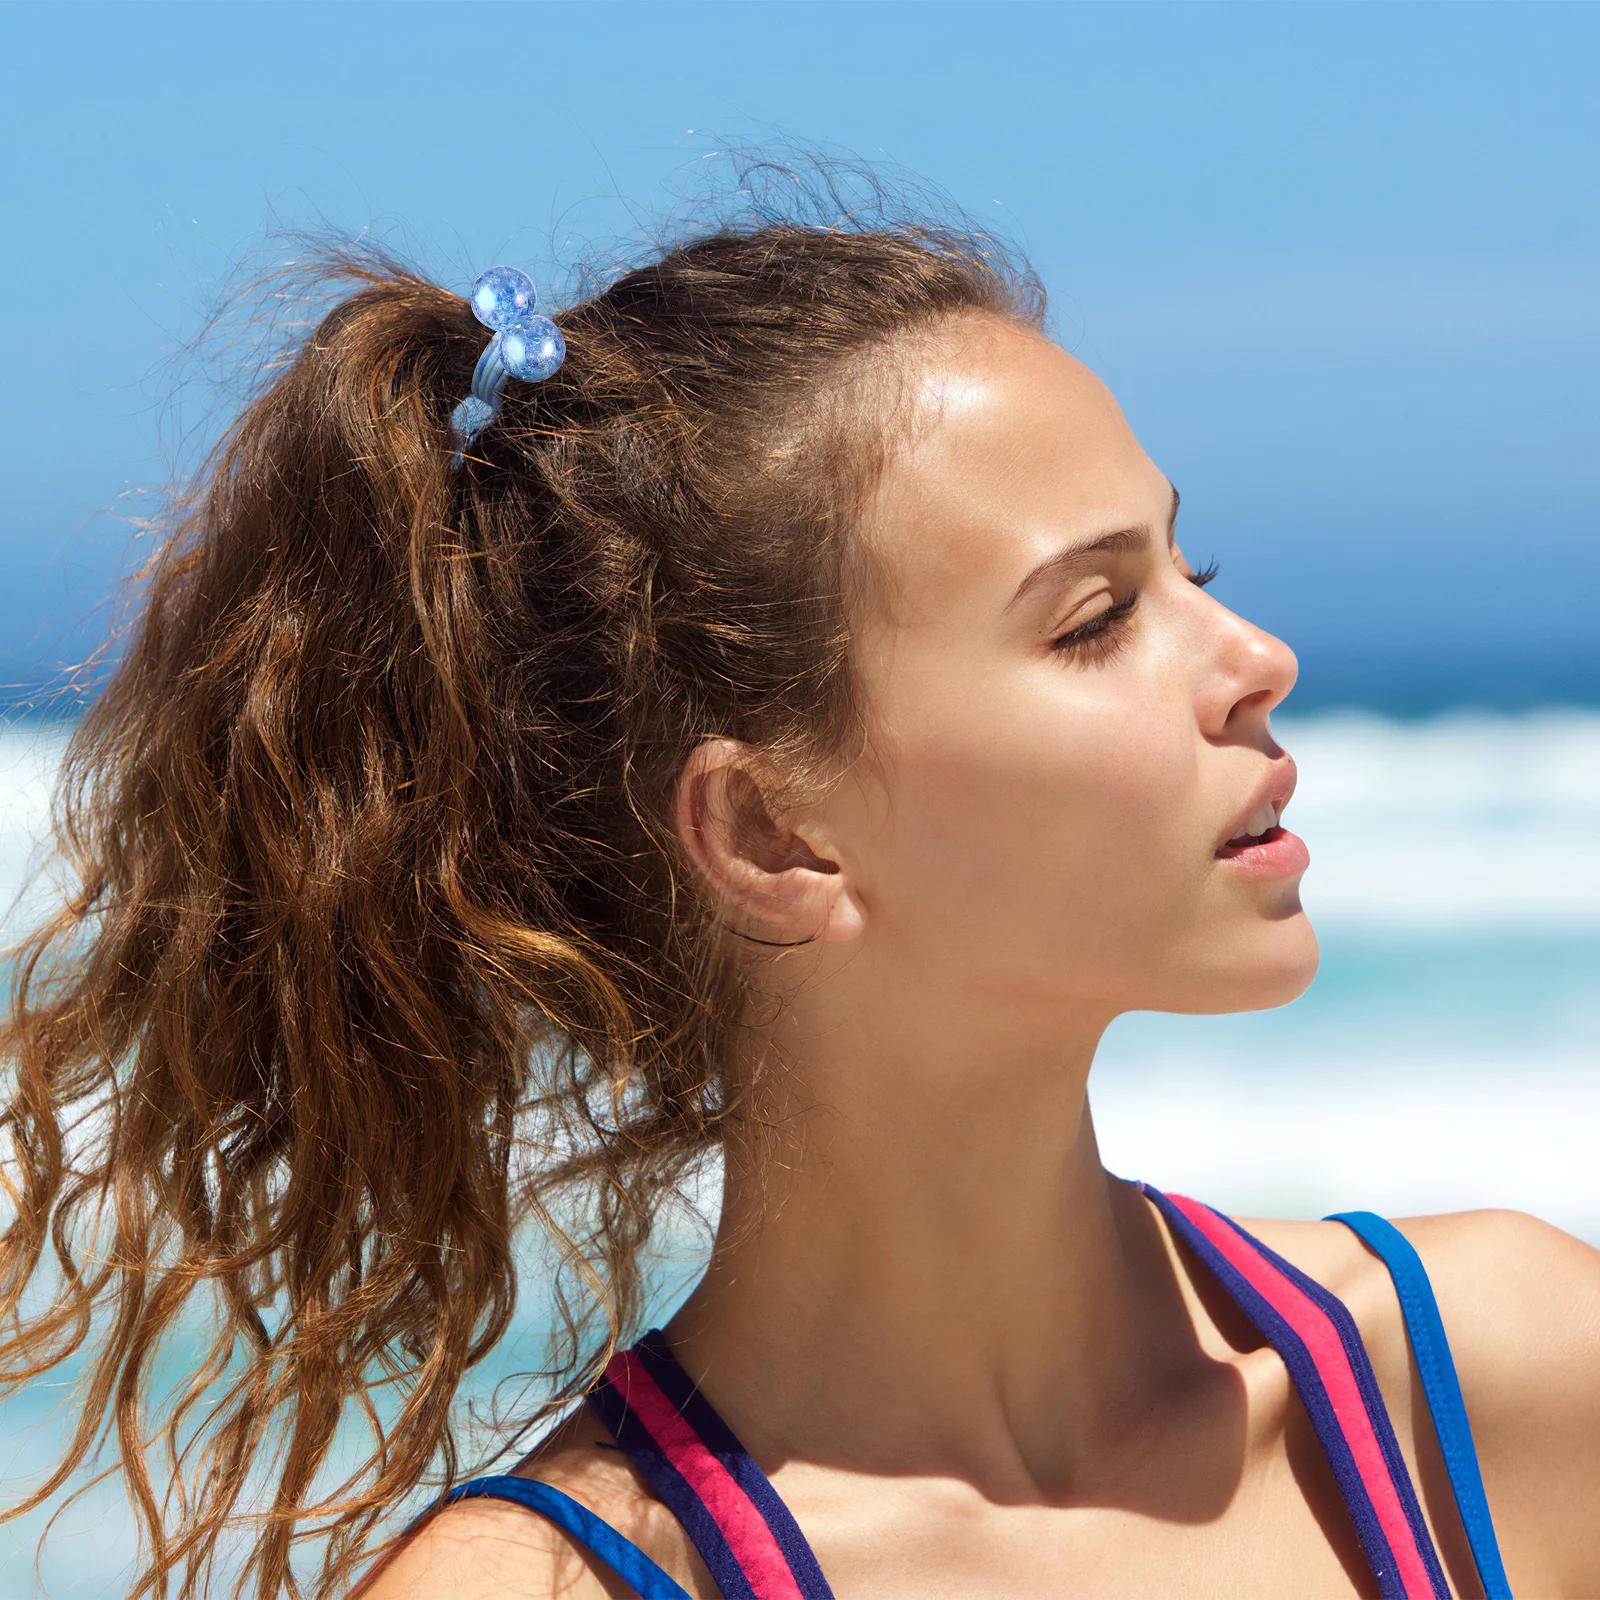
{"x":491,"y":1550}
{"x":496,"y":1550}
{"x":1520,"y":1303}
{"x":1519,"y":1298}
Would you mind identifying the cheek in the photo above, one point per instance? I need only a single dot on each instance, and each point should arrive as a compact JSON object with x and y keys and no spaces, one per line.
{"x":1037,"y":835}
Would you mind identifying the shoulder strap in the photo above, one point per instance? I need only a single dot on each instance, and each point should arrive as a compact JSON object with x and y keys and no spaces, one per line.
{"x":745,"y":1534}
{"x":599,"y":1538}
{"x":1440,"y":1385}
{"x":1314,"y":1333}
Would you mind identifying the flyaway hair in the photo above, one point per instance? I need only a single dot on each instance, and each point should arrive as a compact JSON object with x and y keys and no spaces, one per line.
{"x":377,"y":945}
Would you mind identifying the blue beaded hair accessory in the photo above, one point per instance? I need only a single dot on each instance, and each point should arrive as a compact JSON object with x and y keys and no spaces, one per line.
{"x":525,"y":346}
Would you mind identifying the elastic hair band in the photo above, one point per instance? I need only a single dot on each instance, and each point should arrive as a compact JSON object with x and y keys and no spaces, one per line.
{"x":525,"y":346}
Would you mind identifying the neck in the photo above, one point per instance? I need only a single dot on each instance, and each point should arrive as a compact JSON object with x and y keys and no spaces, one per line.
{"x":922,"y":1265}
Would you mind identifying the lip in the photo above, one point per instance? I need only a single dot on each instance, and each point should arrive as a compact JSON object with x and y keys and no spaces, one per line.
{"x":1278,"y":853}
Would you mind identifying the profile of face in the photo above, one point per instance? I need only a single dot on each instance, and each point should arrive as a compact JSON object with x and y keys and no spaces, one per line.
{"x":1072,"y":791}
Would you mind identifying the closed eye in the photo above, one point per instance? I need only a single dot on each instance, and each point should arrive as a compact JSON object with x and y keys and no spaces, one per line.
{"x":1102,"y":635}
{"x":1204,"y":576}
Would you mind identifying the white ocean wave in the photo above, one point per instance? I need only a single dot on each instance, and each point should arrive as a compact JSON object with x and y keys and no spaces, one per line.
{"x":1448,"y":1057}
{"x":30,"y":754}
{"x":1403,"y":1135}
{"x":1456,"y":877}
{"x":1466,"y":820}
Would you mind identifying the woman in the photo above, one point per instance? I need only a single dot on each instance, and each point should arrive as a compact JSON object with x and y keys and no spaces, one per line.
{"x":789,"y":728}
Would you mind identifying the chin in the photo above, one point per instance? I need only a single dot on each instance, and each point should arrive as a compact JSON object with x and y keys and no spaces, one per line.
{"x":1270,"y":966}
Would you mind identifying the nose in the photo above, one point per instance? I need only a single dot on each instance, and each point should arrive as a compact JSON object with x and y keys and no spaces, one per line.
{"x":1251,"y":672}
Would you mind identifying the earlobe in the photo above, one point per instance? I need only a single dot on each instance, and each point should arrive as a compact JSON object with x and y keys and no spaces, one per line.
{"x":770,"y":882}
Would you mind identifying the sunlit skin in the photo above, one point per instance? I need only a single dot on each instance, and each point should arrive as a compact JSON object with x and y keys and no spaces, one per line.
{"x":972,"y":1361}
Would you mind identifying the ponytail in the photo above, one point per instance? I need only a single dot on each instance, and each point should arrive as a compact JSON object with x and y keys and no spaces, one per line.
{"x":378,"y":946}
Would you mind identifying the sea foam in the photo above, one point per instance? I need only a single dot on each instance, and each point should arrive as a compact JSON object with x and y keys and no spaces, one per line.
{"x":1489,"y":821}
{"x":1468,"y":819}
{"x":1447,"y":1057}
{"x":1449,"y":1053}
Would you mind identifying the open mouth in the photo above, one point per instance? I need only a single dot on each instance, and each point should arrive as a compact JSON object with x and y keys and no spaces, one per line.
{"x":1260,"y":828}
{"x":1248,"y":841}
{"x":1263,"y":849}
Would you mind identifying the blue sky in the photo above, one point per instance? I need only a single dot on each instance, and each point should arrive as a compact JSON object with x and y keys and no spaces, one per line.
{"x":1341,"y":264}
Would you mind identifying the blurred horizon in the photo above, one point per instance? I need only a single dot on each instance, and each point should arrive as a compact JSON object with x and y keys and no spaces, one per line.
{"x":1340,"y":263}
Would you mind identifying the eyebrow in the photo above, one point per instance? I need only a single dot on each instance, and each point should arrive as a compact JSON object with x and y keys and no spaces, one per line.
{"x":1068,"y":562}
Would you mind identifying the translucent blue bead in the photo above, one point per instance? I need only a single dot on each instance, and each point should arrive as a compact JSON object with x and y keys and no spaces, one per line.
{"x":534,"y":352}
{"x":504,"y":297}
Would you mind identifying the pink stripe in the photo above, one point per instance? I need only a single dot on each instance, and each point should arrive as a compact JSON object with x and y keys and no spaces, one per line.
{"x":1316,"y":1328}
{"x":743,"y":1526}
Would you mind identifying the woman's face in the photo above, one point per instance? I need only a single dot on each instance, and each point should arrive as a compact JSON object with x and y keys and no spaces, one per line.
{"x":1066,"y":730}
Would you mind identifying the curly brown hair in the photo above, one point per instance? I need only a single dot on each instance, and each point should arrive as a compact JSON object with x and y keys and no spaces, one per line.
{"x":379,"y":938}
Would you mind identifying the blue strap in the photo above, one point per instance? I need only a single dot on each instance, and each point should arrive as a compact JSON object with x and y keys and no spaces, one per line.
{"x":1440,"y":1384}
{"x":599,"y":1538}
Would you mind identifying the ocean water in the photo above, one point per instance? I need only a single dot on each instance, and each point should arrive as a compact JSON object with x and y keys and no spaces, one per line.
{"x":1448,"y":1054}
{"x":1447,"y":1057}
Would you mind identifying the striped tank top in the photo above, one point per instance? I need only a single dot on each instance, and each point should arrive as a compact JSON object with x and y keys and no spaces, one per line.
{"x":754,"y":1549}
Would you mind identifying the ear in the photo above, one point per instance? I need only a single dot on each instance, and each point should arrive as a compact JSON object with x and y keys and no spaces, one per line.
{"x":765,"y":872}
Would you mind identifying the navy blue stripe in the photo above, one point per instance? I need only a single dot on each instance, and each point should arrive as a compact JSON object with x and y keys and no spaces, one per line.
{"x":598,"y":1537}
{"x":1371,"y":1396}
{"x":674,"y":1490}
{"x":1308,"y":1382}
{"x":1439,"y":1382}
{"x":721,"y":1441}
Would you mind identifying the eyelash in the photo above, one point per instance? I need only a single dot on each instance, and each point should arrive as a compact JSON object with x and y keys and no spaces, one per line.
{"x":1102,"y":636}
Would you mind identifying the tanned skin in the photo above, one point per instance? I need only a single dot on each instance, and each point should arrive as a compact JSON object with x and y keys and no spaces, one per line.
{"x":974,"y":1363}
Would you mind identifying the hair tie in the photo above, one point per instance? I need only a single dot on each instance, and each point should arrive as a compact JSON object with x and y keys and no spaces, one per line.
{"x":525,"y":346}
